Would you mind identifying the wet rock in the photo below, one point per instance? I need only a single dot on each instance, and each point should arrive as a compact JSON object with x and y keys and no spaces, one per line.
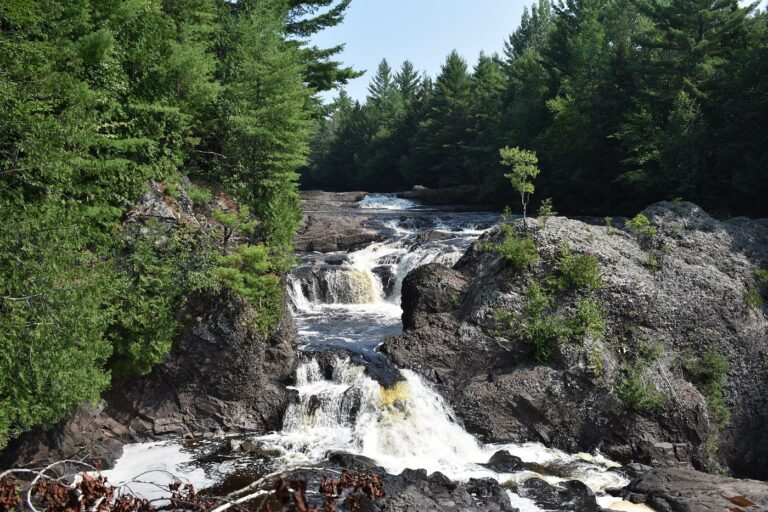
{"x":336,"y":259}
{"x":414,"y":491}
{"x":352,"y":462}
{"x":693,"y":304}
{"x":434,"y":236}
{"x":375,"y":366}
{"x":259,"y":450}
{"x":504,"y":462}
{"x":332,"y":223}
{"x":387,"y":277}
{"x":430,"y":289}
{"x":571,"y":495}
{"x":673,"y":490}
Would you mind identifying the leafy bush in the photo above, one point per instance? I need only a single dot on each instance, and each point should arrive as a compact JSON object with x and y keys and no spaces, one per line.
{"x":762,"y":276}
{"x":637,"y":393}
{"x":519,"y":251}
{"x":580,"y":271}
{"x":752,"y":297}
{"x":641,"y":227}
{"x":543,"y":329}
{"x":160,"y":270}
{"x":587,"y":321}
{"x":235,"y":222}
{"x":546,"y":210}
{"x":652,"y":261}
{"x":250,"y":272}
{"x":708,"y":375}
{"x":199,"y":195}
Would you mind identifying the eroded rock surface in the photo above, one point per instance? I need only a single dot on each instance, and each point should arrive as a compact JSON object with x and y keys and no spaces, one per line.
{"x":692,"y":303}
{"x":681,"y":490}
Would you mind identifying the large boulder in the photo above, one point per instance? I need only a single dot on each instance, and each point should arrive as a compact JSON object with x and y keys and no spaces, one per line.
{"x":682,"y":490}
{"x":691,"y":303}
{"x":428,"y":290}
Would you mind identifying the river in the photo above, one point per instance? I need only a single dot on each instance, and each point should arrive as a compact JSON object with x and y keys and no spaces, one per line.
{"x":348,"y":303}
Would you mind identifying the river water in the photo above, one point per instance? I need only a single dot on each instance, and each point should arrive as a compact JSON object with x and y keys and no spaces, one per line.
{"x":350,"y":301}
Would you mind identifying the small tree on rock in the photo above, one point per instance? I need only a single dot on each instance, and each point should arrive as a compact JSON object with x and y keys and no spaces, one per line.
{"x":524,"y":169}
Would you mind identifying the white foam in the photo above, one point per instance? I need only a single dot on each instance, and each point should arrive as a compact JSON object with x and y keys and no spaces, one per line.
{"x":146,"y":469}
{"x":409,"y":426}
{"x":385,"y":202}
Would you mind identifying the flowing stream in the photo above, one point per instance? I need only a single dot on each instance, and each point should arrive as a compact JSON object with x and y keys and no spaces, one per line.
{"x":350,"y":301}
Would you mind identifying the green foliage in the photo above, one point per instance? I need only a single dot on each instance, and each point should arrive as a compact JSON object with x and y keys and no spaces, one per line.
{"x":519,"y":251}
{"x":752,"y":297}
{"x":95,"y":101}
{"x":546,"y":210}
{"x":538,"y":328}
{"x":634,"y":388}
{"x":652,"y":261}
{"x":576,"y":272}
{"x":238,"y":222}
{"x":251,"y":273}
{"x":761,"y":276}
{"x":199,"y":194}
{"x":160,"y":269}
{"x":625,"y":103}
{"x":708,"y":375}
{"x":638,"y":393}
{"x":641,"y":227}
{"x":56,"y":302}
{"x":588,"y":320}
{"x":524,"y":169}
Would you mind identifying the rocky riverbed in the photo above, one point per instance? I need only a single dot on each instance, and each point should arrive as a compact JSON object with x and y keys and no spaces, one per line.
{"x":456,"y":411}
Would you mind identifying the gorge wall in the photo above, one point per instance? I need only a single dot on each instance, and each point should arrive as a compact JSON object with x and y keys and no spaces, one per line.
{"x":696,"y":298}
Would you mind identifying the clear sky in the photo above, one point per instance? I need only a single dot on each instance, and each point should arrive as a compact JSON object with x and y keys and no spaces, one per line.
{"x":423,"y":31}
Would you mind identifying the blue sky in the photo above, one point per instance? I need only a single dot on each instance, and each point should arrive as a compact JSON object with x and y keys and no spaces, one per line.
{"x":423,"y":31}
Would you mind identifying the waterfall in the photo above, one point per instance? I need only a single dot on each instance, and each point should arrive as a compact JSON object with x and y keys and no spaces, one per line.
{"x":408,"y":425}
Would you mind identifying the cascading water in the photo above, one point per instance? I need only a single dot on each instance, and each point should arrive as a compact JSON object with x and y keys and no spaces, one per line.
{"x":352,"y":301}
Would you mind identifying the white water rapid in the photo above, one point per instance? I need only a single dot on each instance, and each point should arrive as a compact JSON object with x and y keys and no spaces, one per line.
{"x":351,"y":301}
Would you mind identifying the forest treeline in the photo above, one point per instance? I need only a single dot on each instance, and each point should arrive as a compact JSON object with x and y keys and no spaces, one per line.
{"x":626,"y":102}
{"x":97,"y":98}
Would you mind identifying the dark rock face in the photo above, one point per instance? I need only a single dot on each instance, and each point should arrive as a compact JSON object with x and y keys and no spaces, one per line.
{"x":387,"y":276}
{"x":692,"y":304}
{"x":219,"y":377}
{"x":430,"y":289}
{"x":414,"y":490}
{"x":571,"y":495}
{"x":681,"y":490}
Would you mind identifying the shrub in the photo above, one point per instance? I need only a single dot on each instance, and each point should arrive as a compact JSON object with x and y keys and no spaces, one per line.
{"x":519,"y":251}
{"x":587,"y":321}
{"x":236,"y":222}
{"x":580,"y":271}
{"x":250,"y":272}
{"x":637,"y":393}
{"x":652,"y":261}
{"x":752,"y":297}
{"x":708,"y":375}
{"x":762,"y":276}
{"x":641,"y":227}
{"x":546,"y":210}
{"x":199,"y":195}
{"x":172,"y":188}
